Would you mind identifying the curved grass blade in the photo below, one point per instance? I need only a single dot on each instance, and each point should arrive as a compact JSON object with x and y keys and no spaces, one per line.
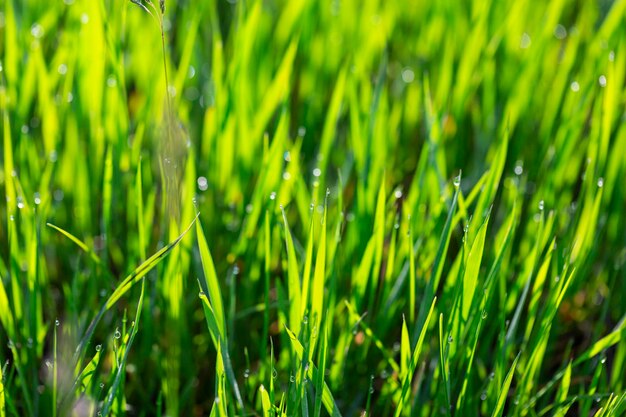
{"x":78,"y":243}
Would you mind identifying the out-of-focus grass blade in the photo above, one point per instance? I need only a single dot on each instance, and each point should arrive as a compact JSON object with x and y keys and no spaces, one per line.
{"x":6,"y":317}
{"x":504,"y":392}
{"x":2,"y":411}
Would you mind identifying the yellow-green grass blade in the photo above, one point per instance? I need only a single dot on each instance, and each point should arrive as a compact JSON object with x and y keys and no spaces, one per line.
{"x":504,"y":391}
{"x":211,"y":283}
{"x":406,"y":383}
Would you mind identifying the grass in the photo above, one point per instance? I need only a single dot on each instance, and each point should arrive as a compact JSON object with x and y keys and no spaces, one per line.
{"x":310,"y":208}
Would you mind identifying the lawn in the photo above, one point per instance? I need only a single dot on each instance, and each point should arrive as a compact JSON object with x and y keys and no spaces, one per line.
{"x":312,"y":208}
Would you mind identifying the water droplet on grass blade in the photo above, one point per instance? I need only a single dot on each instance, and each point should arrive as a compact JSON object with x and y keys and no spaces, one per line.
{"x":602,"y":81}
{"x":117,"y":334}
{"x":203,"y":183}
{"x":408,"y":75}
{"x":98,"y":348}
{"x":36,"y":30}
{"x":541,"y":205}
{"x":483,"y":396}
{"x":483,"y":315}
{"x":450,"y":339}
{"x":560,"y":32}
{"x":273,"y":195}
{"x":317,"y":172}
{"x":57,"y":323}
{"x":575,"y":86}
{"x":274,"y":373}
{"x":601,"y":182}
{"x":246,"y":373}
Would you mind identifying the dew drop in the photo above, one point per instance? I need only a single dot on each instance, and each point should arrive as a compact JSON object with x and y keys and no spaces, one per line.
{"x":408,"y":75}
{"x":518,"y":169}
{"x":602,"y":81}
{"x":273,"y":195}
{"x":305,"y":319}
{"x":292,"y":378}
{"x":287,"y":156}
{"x":57,"y":323}
{"x":20,"y":202}
{"x":317,"y":172}
{"x":560,"y":32}
{"x":98,"y":348}
{"x":37,"y":198}
{"x":525,"y":41}
{"x":371,"y":390}
{"x":246,"y":373}
{"x":483,"y":396}
{"x":36,"y":30}
{"x":483,"y":315}
{"x":117,"y":333}
{"x":286,"y":176}
{"x":203,"y":183}
{"x":398,"y":194}
{"x":102,"y":385}
{"x":450,"y":339}
{"x":575,"y":86}
{"x":600,"y":182}
{"x":274,"y":373}
{"x":541,"y":205}
{"x":603,"y":360}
